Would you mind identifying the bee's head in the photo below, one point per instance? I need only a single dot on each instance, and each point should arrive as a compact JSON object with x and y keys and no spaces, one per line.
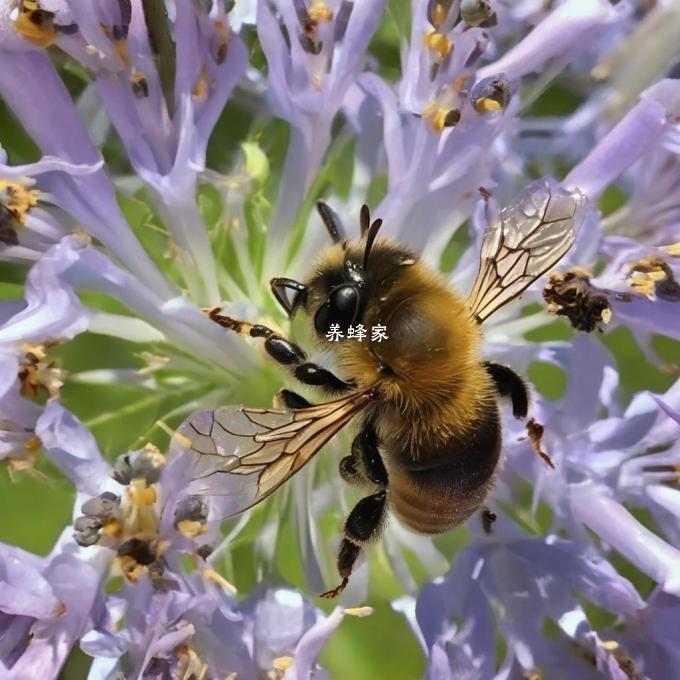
{"x":338,"y":290}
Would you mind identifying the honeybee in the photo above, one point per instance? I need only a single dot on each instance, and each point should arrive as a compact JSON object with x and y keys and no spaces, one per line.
{"x":429,"y":438}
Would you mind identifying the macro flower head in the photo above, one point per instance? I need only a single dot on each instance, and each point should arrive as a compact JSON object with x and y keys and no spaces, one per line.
{"x":172,"y":175}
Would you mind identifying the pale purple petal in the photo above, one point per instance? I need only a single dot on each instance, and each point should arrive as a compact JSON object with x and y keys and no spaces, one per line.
{"x":72,"y":448}
{"x":567,"y":29}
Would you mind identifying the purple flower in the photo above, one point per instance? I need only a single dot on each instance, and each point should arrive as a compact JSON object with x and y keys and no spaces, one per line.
{"x":140,"y":580}
{"x":314,"y":54}
{"x":46,"y":605}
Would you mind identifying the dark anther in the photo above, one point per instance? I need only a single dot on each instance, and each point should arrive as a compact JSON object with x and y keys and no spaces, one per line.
{"x":309,"y":45}
{"x":137,"y":465}
{"x":119,"y":32}
{"x":125,"y":7}
{"x":571,"y":295}
{"x":140,"y":551}
{"x":86,"y":530}
{"x":140,"y":85}
{"x":104,"y":506}
{"x":68,"y":29}
{"x":490,"y":94}
{"x":192,"y":508}
{"x":452,"y":118}
{"x":475,"y":12}
{"x":205,"y":551}
{"x":8,"y":234}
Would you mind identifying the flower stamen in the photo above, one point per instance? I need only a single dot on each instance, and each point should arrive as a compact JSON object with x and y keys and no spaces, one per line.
{"x":653,"y":278}
{"x":490,"y":95}
{"x":15,"y":202}
{"x":571,"y":294}
{"x":439,"y":117}
{"x":39,"y":372}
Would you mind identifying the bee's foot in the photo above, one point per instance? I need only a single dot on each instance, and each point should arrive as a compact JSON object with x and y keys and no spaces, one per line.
{"x":331,"y":594}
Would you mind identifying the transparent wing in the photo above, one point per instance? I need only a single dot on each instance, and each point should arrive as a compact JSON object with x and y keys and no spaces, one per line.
{"x":244,"y":454}
{"x":532,"y":234}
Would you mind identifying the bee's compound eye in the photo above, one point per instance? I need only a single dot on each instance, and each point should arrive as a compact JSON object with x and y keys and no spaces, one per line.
{"x":342,"y":307}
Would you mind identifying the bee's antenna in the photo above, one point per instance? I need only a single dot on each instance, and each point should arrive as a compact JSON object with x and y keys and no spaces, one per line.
{"x":331,"y":221}
{"x":364,"y":219}
{"x":370,"y":231}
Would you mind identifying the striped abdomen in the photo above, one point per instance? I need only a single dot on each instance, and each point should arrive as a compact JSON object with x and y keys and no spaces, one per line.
{"x":437,"y":488}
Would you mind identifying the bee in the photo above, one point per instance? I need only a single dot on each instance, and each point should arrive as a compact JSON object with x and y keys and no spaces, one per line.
{"x":429,"y":438}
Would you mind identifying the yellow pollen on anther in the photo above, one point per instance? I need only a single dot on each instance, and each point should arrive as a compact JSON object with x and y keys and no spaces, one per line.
{"x":112,"y":528}
{"x":319,"y":11}
{"x":608,"y":645}
{"x":486,"y":105}
{"x":17,"y":199}
{"x":645,"y":274}
{"x":673,"y":249}
{"x":128,"y":567}
{"x":35,"y":23}
{"x":435,"y":116}
{"x":38,"y":373}
{"x":200,"y":90}
{"x":437,"y":42}
{"x":223,"y":36}
{"x":213,"y":577}
{"x":140,"y":494}
{"x":190,"y":666}
{"x":439,"y":14}
{"x":279,"y":667}
{"x":26,"y":460}
{"x":121,"y":47}
{"x":191,"y":528}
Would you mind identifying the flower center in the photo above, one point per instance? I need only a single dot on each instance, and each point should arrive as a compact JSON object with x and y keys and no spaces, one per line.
{"x":39,"y":374}
{"x":129,"y":524}
{"x":15,"y":201}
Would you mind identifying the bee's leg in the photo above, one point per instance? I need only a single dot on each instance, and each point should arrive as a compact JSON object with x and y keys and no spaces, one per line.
{"x":290,"y":399}
{"x":283,"y":351}
{"x":509,"y":384}
{"x":364,"y":466}
{"x":488,"y":518}
{"x":363,"y":525}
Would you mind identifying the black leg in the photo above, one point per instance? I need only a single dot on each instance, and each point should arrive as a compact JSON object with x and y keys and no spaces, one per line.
{"x":290,"y":399}
{"x":289,"y":293}
{"x":509,"y":384}
{"x":283,"y":351}
{"x":364,"y":524}
{"x":365,"y":467}
{"x":488,"y":518}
